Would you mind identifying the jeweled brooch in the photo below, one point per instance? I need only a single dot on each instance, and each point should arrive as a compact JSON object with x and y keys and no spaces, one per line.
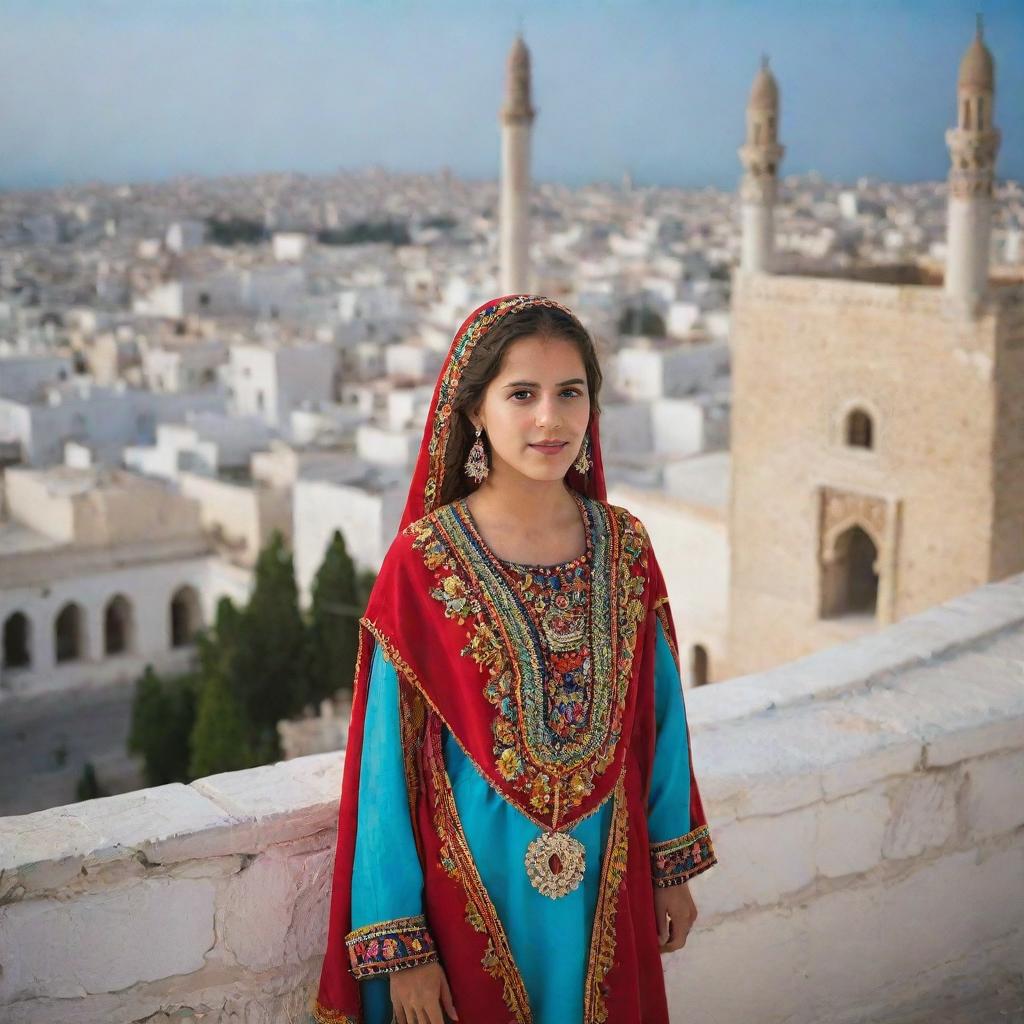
{"x":555,"y":863}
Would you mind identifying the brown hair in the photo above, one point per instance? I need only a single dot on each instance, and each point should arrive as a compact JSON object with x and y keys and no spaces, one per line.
{"x":484,"y":365}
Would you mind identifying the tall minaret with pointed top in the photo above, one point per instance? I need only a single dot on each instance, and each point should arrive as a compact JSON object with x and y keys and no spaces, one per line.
{"x":760,"y":154}
{"x":516,"y":125}
{"x":973,"y":145}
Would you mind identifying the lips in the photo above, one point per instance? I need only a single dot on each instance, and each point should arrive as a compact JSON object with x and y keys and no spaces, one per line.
{"x":549,"y":445}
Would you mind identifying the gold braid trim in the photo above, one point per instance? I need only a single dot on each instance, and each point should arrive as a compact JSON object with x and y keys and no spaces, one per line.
{"x":457,"y":860}
{"x":319,"y":1014}
{"x":661,"y":610}
{"x":602,"y":943}
{"x":393,"y":655}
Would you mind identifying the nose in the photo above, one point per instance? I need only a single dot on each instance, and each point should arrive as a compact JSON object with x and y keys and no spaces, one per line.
{"x":547,"y":414}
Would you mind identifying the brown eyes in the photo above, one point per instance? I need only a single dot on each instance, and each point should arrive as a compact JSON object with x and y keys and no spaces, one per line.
{"x":572,"y":392}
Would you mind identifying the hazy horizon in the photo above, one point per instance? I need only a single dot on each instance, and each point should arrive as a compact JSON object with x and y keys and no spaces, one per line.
{"x":107,"y":92}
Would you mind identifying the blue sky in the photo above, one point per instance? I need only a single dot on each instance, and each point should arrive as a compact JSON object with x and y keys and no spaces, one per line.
{"x":146,"y":89}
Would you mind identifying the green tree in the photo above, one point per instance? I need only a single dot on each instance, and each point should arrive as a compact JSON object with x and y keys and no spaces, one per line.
{"x":88,"y":787}
{"x":641,"y":320}
{"x":365,"y":579}
{"x":268,"y":665}
{"x":235,"y":230}
{"x":334,"y":622}
{"x":217,"y":646}
{"x":220,"y":741}
{"x":163,"y":713}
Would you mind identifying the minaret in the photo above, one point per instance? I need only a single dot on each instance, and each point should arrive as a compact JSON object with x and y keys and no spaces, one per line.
{"x":760,"y":154}
{"x":973,"y":145}
{"x":516,"y":124}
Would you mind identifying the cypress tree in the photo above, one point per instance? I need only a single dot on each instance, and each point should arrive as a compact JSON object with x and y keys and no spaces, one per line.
{"x":88,"y":787}
{"x":163,"y":713}
{"x":220,"y":740}
{"x":334,"y":622}
{"x":268,"y":664}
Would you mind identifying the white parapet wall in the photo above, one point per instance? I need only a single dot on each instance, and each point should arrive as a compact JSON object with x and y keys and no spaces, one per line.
{"x":866,"y":803}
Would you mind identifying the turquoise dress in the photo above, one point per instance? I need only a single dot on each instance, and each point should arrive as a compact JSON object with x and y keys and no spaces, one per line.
{"x":498,"y":835}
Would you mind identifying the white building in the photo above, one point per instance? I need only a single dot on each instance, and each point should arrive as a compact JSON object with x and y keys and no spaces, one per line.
{"x":270,"y":292}
{"x":105,"y":420}
{"x":385,"y":447}
{"x":289,"y":246}
{"x":24,"y":376}
{"x":271,"y":380}
{"x":412,"y":361}
{"x":648,"y":372}
{"x":192,"y":366}
{"x":364,"y":502}
{"x":207,"y":443}
{"x":183,"y":235}
{"x":101,"y":573}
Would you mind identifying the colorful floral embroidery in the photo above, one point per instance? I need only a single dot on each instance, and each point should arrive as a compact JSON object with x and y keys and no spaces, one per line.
{"x":389,"y":946}
{"x":677,"y":860}
{"x":558,"y":645}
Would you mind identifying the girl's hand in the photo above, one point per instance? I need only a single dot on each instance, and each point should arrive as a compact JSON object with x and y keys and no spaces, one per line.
{"x":419,"y":994}
{"x":675,"y":912}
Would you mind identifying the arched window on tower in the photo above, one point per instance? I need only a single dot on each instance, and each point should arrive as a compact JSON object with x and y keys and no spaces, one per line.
{"x":699,"y":664}
{"x":69,"y":633}
{"x":859,"y":432}
{"x":850,"y":581}
{"x":186,"y":618}
{"x":966,"y":116}
{"x":981,"y":112}
{"x":118,"y":626}
{"x":17,"y":641}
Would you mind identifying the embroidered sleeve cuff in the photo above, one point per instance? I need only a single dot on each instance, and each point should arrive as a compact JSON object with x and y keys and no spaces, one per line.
{"x":390,"y":946}
{"x":677,"y":860}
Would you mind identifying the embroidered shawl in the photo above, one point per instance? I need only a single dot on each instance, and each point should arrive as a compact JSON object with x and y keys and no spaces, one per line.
{"x":468,"y":661}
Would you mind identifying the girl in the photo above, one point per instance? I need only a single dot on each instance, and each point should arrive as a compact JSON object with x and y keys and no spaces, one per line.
{"x":519,"y":816}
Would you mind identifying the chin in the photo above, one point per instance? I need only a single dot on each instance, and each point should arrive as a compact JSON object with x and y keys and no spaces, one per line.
{"x":555,"y":471}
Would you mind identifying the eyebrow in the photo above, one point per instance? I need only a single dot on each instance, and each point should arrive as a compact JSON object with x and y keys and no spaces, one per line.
{"x":534,"y":384}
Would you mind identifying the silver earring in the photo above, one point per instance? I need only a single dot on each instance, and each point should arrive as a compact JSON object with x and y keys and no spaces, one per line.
{"x":476,"y":462}
{"x":583,"y":463}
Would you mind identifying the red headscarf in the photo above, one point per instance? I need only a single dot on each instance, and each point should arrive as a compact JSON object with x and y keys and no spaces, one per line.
{"x":425,"y":489}
{"x":441,"y":615}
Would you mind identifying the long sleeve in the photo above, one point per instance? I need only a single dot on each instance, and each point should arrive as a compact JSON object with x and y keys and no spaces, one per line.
{"x":389,"y":929}
{"x":680,"y":847}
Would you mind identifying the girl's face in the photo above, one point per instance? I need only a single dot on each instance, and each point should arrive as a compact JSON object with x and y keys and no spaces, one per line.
{"x":536,"y":410}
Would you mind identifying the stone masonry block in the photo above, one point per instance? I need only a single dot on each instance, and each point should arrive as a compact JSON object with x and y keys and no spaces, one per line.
{"x":105,"y":941}
{"x":923,"y":814}
{"x":850,"y":832}
{"x":995,"y":794}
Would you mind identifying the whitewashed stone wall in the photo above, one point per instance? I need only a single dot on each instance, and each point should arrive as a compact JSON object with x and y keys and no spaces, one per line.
{"x":865,"y":803}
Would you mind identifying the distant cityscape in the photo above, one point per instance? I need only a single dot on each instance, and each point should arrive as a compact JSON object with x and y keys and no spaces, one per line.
{"x":191,"y":369}
{"x":212,"y":394}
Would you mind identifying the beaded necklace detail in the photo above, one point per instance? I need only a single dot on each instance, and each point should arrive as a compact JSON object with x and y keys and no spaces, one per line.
{"x":557,"y":598}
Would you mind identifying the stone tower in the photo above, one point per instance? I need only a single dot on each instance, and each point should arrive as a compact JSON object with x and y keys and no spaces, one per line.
{"x":760,"y":155}
{"x":516,"y":125}
{"x":877,"y":432}
{"x":973,"y":145}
